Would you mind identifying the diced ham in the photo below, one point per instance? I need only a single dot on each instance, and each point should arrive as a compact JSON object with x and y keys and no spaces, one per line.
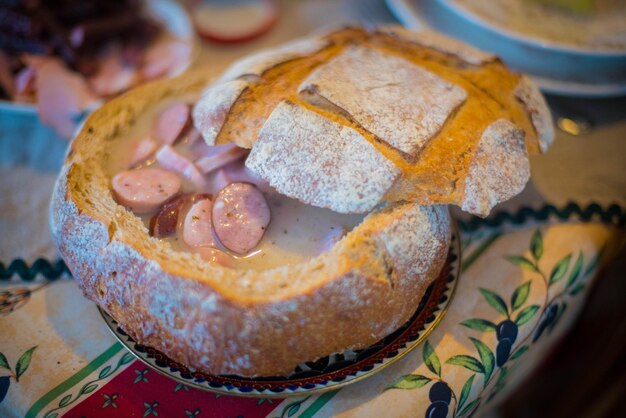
{"x":144,"y":190}
{"x":175,"y":161}
{"x":240,"y":217}
{"x":171,"y":122}
{"x":218,"y":156}
{"x":165,"y":222}
{"x":166,"y":58}
{"x":143,"y":150}
{"x":114,"y":74}
{"x":197,"y":231}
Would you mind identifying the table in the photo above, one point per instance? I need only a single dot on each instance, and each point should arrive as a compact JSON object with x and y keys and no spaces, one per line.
{"x":77,"y":363}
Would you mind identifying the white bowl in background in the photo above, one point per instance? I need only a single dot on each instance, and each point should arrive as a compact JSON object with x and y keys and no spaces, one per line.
{"x":556,"y":68}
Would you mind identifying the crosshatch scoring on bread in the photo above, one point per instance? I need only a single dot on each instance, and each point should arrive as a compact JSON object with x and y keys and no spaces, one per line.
{"x":422,"y":100}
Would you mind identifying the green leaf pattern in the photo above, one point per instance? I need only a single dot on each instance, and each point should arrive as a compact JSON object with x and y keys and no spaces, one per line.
{"x":292,"y":408}
{"x":24,"y":362}
{"x":431,"y":360}
{"x":409,"y":381}
{"x":524,"y":314}
{"x":559,"y":270}
{"x":479,"y":324}
{"x":536,"y":245}
{"x":4,"y":363}
{"x":523,"y":262}
{"x":520,"y":351}
{"x":575,"y":273}
{"x":520,"y":295}
{"x":495,"y":301}
{"x":469,"y":362}
{"x":467,"y":387}
{"x":486,"y":358}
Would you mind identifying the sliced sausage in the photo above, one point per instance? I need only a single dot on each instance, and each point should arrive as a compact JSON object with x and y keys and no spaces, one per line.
{"x":197,"y":230}
{"x":144,"y":149}
{"x":240,"y":217}
{"x":145,"y":189}
{"x":171,"y":122}
{"x":165,"y":222}
{"x":175,"y":161}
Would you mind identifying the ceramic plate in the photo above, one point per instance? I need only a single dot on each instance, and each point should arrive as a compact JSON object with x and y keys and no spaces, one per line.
{"x":556,"y":68}
{"x":324,"y":374}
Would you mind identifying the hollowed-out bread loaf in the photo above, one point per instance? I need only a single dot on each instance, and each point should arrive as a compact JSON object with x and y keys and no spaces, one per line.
{"x":353,"y":118}
{"x":380,"y":122}
{"x":223,"y":320}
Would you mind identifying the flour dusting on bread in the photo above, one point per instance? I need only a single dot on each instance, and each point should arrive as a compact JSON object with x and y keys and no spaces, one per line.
{"x":320,"y":162}
{"x":210,"y":112}
{"x":537,"y":107}
{"x":399,"y":102}
{"x":412,"y":95}
{"x":418,"y":230}
{"x":499,"y":169}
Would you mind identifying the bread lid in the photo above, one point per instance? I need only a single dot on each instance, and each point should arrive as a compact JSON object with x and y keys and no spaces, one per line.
{"x":353,"y":119}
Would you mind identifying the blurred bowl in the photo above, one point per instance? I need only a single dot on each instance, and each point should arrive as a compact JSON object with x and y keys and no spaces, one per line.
{"x":556,"y":68}
{"x":20,"y":121}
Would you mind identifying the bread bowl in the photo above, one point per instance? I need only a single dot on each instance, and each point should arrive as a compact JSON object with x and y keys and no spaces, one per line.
{"x":223,"y":313}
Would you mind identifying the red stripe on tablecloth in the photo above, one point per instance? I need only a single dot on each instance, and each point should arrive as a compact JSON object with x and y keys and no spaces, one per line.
{"x":131,"y":396}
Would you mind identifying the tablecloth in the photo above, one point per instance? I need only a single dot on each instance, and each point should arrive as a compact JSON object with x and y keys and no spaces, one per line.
{"x":523,"y":281}
{"x":525,"y":275}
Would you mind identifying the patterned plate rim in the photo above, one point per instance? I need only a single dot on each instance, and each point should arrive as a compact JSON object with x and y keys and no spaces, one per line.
{"x":439,"y":295}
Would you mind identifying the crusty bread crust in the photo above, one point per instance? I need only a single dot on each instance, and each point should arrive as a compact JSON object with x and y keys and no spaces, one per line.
{"x":226,"y":321}
{"x":307,"y":155}
{"x":380,"y":101}
{"x":499,"y":169}
{"x":422,"y":100}
{"x":528,"y":93}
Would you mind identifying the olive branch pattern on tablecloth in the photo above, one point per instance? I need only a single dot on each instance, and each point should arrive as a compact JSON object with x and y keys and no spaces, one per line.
{"x":508,"y":350}
{"x":20,"y":368}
